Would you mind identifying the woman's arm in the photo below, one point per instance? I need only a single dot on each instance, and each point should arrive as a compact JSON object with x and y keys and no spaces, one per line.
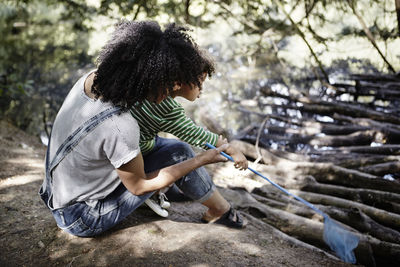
{"x":138,"y":182}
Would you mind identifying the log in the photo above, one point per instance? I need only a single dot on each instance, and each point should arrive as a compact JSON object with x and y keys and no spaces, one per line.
{"x":378,"y":78}
{"x":383,"y":150}
{"x":246,"y":131}
{"x":331,"y":129}
{"x":389,"y":219}
{"x":367,"y":86}
{"x":354,"y":161}
{"x":385,"y":253}
{"x":353,"y":217}
{"x":316,"y":106}
{"x":382,"y":168}
{"x":387,"y":95}
{"x":366,"y":196}
{"x":329,"y":173}
{"x":291,"y":207}
{"x":367,"y":122}
{"x":312,"y":127}
{"x":241,"y":198}
{"x":390,"y":131}
{"x":350,"y":161}
{"x":304,"y":126}
{"x":310,"y":231}
{"x":323,"y":172}
{"x":358,"y":220}
{"x":379,"y":92}
{"x":260,"y":224}
{"x":357,"y":138}
{"x":344,"y":177}
{"x":379,"y":199}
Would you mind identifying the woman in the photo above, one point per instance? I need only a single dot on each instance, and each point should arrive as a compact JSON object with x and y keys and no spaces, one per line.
{"x":95,"y":172}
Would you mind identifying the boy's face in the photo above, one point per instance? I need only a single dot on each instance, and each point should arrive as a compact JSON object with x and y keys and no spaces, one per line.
{"x":188,"y":91}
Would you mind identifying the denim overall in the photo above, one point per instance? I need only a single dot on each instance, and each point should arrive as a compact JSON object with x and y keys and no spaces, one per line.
{"x":83,"y":220}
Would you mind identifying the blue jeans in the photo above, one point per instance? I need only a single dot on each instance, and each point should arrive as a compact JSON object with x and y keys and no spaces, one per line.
{"x":81,"y":219}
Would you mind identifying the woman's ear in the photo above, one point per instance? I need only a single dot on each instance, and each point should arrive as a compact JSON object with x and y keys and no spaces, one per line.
{"x":177,"y":86}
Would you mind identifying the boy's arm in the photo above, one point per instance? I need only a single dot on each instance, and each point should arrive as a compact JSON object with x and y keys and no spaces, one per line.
{"x":178,"y":124}
{"x":184,"y":128}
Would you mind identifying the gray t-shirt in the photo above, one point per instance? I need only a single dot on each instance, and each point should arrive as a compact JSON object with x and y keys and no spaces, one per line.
{"x":88,"y":172}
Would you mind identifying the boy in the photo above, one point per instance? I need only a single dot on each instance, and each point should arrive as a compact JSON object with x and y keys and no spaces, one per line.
{"x":169,"y":116}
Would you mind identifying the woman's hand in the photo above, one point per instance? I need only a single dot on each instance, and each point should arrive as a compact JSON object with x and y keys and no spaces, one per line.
{"x":221,"y":141}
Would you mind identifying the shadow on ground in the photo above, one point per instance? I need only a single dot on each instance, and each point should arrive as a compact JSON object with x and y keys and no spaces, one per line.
{"x":30,"y":237}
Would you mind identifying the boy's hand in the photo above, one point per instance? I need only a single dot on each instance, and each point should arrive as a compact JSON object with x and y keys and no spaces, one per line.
{"x":240,"y":160}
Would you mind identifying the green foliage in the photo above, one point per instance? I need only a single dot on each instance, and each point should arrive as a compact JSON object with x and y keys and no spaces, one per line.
{"x":39,"y":50}
{"x":44,"y":43}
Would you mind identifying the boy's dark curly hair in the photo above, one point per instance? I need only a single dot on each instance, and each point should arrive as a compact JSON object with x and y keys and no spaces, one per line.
{"x":140,"y":61}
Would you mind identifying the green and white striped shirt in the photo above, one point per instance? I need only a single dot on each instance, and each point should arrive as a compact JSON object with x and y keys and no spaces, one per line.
{"x":168,"y":116}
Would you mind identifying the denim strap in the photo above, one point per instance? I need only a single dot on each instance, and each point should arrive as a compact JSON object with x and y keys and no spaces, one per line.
{"x":69,"y":144}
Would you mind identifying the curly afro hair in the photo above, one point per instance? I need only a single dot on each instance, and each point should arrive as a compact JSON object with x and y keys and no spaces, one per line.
{"x":141,"y":61}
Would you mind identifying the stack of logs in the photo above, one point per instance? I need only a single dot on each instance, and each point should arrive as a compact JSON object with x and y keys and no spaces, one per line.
{"x":342,"y":156}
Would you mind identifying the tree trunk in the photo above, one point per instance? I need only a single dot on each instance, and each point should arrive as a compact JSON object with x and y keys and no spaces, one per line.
{"x":397,"y":4}
{"x":371,"y":38}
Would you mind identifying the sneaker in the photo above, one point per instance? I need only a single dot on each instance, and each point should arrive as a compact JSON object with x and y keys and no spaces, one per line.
{"x":162,"y":198}
{"x":156,"y":208}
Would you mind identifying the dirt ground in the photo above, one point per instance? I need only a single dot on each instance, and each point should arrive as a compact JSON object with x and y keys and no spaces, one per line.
{"x":30,"y":237}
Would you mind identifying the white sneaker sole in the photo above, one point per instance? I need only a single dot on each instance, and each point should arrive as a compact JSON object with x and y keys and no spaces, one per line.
{"x":156,"y":208}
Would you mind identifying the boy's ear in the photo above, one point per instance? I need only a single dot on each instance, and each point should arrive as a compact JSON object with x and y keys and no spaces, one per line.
{"x":177,"y":86}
